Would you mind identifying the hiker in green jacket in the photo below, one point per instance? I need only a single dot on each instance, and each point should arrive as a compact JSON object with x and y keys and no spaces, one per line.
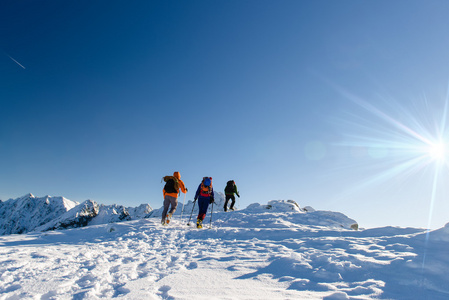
{"x":230,"y":190}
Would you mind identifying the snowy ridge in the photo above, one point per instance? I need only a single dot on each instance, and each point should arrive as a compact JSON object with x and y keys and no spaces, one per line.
{"x":247,"y":254}
{"x":26,"y":213}
{"x":282,"y":219}
{"x":29,"y":213}
{"x":79,"y":216}
{"x":288,"y":209}
{"x":91,"y":213}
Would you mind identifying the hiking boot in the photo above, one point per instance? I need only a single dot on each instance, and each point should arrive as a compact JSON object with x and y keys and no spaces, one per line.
{"x":199,"y":223}
{"x":232,"y":208}
{"x":167,"y":220}
{"x":163,"y":222}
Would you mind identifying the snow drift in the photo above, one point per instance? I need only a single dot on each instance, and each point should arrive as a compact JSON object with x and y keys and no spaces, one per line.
{"x":272,"y":251}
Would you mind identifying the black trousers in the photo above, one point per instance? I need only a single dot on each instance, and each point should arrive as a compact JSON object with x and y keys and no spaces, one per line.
{"x":232,"y":197}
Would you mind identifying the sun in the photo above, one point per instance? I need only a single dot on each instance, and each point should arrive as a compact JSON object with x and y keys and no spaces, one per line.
{"x":437,"y":151}
{"x":413,"y":141}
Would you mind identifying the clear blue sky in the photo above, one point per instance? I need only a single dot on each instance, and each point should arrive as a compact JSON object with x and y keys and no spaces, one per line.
{"x":101,"y":99}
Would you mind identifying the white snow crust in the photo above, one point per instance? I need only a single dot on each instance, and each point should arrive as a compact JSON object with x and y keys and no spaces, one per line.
{"x":280,"y":252}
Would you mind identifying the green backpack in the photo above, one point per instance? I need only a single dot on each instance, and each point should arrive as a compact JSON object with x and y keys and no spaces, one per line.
{"x":230,"y":187}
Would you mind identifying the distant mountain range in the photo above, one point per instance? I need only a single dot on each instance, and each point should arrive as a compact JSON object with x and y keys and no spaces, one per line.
{"x":30,"y":213}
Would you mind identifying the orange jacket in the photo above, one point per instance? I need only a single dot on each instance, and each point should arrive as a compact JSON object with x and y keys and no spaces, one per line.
{"x":181,"y":186}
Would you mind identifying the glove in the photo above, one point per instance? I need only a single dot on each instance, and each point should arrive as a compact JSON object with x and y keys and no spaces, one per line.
{"x":212,"y":200}
{"x":238,"y":196}
{"x":187,"y":190}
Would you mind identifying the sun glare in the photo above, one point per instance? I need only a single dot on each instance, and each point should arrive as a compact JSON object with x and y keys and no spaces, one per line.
{"x":437,"y":151}
{"x":414,"y":141}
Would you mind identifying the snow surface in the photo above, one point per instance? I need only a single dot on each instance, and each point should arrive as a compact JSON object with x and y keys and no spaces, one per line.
{"x":273,"y":251}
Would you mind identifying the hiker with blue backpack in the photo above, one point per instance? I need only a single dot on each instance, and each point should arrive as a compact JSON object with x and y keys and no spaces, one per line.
{"x":171,"y":191}
{"x":205,"y":196}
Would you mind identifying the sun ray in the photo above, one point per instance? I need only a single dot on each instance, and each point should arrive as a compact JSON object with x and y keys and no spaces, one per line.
{"x":398,"y":144}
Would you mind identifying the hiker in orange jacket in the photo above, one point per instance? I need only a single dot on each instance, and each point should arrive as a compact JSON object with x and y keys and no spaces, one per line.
{"x":171,"y":192}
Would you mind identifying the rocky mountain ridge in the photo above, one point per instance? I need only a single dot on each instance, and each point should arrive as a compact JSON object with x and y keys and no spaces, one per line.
{"x":30,"y":213}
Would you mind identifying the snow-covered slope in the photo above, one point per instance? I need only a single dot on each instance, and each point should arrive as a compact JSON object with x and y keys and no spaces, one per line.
{"x":298,"y":216}
{"x":254,"y":253}
{"x":26,"y":213}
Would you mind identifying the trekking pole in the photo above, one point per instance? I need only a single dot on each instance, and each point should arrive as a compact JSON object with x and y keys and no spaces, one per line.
{"x":183,"y":204}
{"x":188,"y":224}
{"x":211,"y":212}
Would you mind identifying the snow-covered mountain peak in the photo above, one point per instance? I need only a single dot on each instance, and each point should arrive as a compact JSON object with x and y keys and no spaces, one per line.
{"x":29,"y":195}
{"x":26,"y":213}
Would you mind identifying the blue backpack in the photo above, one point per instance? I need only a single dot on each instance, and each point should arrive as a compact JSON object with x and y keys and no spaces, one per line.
{"x":206,"y":187}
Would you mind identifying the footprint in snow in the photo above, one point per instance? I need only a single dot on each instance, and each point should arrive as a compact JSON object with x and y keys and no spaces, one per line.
{"x":192,"y":265}
{"x":163,"y":292}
